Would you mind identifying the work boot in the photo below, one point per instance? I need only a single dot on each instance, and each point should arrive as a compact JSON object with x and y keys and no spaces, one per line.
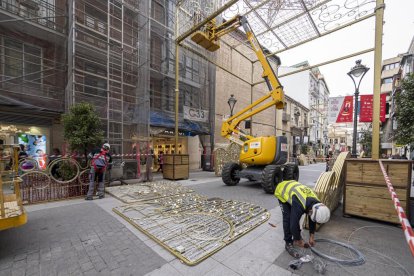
{"x":89,"y":198}
{"x":292,"y":251}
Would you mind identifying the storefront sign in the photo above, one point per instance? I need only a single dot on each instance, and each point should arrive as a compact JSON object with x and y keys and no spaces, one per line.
{"x":365,"y":114}
{"x":195,"y":114}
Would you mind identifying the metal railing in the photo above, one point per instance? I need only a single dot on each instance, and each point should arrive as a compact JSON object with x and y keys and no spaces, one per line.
{"x":42,"y":12}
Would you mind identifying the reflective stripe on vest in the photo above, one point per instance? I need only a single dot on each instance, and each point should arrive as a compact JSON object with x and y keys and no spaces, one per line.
{"x":287,"y":189}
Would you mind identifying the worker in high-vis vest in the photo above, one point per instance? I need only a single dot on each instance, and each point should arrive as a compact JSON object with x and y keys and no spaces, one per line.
{"x":295,"y":200}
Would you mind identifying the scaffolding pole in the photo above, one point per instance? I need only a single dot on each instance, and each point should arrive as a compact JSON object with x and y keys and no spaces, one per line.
{"x":379,"y":19}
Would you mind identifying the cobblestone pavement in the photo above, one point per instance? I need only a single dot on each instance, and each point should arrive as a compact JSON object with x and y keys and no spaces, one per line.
{"x":80,"y":240}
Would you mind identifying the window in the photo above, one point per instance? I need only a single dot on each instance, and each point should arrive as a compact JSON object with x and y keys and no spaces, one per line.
{"x":22,"y":60}
{"x":156,"y":52}
{"x":190,"y":68}
{"x":13,"y":58}
{"x":155,"y":93}
{"x":95,"y":19}
{"x":391,"y":66}
{"x":95,"y":86}
{"x":191,"y":96}
{"x":158,"y":12}
{"x":387,"y":80}
{"x":343,"y":140}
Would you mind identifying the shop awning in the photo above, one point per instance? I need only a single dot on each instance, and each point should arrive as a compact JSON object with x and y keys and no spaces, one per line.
{"x":191,"y":128}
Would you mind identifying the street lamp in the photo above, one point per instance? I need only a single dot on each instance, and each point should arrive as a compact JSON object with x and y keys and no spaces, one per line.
{"x":232,"y":102}
{"x":357,"y":72}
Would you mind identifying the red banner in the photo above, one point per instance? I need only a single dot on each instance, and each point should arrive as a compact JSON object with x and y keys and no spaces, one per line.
{"x":366,"y":108}
{"x":346,"y":113}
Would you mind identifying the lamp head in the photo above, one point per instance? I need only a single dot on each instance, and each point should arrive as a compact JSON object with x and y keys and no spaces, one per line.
{"x":358,"y":69}
{"x":232,"y":101}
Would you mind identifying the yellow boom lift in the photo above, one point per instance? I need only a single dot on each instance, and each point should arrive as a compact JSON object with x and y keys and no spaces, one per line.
{"x":265,"y":157}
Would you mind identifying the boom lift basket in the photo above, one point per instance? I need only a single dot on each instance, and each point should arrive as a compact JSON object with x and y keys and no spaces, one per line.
{"x":12,"y":213}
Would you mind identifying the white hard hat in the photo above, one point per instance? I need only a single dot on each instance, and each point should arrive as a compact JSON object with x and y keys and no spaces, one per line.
{"x":320,"y":213}
{"x":106,"y":146}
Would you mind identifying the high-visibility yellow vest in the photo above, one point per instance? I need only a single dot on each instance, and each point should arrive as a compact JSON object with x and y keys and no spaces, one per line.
{"x":287,"y":189}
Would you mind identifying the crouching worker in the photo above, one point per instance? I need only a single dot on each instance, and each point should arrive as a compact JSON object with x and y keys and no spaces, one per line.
{"x":99,"y":163}
{"x":295,"y":200}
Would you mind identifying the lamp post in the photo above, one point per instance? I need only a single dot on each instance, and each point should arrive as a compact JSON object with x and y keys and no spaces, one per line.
{"x":325,"y":138}
{"x":232,"y":102}
{"x":357,"y":72}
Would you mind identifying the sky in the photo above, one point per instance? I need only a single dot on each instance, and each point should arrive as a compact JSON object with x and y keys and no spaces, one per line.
{"x":397,"y":35}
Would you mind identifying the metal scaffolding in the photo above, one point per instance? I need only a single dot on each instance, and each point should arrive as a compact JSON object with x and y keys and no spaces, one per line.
{"x":32,"y":51}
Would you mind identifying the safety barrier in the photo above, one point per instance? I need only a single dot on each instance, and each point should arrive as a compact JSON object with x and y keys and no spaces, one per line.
{"x":408,"y":230}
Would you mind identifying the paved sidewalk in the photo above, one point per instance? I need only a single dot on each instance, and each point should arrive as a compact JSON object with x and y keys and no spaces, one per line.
{"x":76,"y":237}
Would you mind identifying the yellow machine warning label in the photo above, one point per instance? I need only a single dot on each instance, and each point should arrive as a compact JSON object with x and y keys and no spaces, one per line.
{"x":255,"y":145}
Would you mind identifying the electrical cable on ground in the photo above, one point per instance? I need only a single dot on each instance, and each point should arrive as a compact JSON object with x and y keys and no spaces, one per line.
{"x":377,"y":252}
{"x":357,"y":261}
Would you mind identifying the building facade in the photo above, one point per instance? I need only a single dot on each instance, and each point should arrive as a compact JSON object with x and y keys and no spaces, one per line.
{"x":32,"y":70}
{"x":313,"y":85}
{"x":118,"y":56}
{"x":389,"y":73}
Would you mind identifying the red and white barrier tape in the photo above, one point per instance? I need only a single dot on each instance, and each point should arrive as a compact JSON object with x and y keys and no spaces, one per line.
{"x":408,"y":230}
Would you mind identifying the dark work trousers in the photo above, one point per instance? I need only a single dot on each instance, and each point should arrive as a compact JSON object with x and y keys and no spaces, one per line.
{"x":286,"y":208}
{"x":101,"y":179}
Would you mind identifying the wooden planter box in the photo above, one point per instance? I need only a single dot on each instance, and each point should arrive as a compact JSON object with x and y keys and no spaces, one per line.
{"x":176,"y":166}
{"x":366,"y":193}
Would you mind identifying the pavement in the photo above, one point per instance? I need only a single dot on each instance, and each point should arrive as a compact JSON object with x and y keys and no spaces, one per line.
{"x":77,"y":237}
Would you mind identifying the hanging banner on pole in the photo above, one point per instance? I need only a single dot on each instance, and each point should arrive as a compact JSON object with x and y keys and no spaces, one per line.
{"x":340,"y":109}
{"x":347,"y":110}
{"x":334,"y":106}
{"x":366,"y":111}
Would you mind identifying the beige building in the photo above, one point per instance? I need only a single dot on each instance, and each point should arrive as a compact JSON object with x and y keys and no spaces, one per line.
{"x":241,"y":72}
{"x":390,"y":70}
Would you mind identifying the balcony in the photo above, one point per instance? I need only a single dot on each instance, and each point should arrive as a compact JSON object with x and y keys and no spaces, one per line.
{"x":46,"y":17}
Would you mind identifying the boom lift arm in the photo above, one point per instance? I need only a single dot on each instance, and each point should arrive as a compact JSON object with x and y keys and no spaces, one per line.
{"x":209,"y":40}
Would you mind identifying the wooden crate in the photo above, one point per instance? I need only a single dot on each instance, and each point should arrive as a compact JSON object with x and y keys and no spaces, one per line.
{"x":176,"y":166}
{"x":366,"y":192}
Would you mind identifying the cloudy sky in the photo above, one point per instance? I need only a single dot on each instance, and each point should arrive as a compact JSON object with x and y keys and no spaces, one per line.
{"x":398,"y":33}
